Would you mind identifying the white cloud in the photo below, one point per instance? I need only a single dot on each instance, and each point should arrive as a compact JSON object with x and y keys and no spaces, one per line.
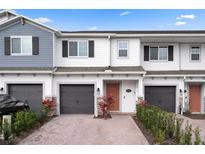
{"x":93,"y":28}
{"x":180,"y":23}
{"x":125,"y":13}
{"x":43,"y":20}
{"x":186,"y":16}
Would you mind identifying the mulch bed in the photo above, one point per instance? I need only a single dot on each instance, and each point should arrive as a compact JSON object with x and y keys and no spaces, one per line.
{"x":148,"y":135}
{"x":195,"y":116}
{"x":102,"y":117}
{"x":16,"y":139}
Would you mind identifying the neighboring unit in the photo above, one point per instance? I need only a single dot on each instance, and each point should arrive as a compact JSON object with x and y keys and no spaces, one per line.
{"x":166,"y":68}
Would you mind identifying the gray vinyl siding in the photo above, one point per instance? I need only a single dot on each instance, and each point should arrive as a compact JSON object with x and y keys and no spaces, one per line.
{"x":45,"y":57}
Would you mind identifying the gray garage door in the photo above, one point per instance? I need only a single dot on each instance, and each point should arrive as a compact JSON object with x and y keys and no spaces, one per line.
{"x":76,"y":99}
{"x":32,"y":93}
{"x":162,"y":96}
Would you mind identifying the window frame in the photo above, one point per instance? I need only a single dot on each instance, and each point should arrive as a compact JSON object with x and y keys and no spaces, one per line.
{"x":21,"y":46}
{"x":158,"y":46}
{"x":87,"y":42}
{"x":190,"y":53}
{"x":118,"y":48}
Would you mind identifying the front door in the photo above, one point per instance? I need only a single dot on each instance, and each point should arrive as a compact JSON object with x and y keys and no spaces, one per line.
{"x":113,"y":90}
{"x":128,"y":96}
{"x":194,"y":98}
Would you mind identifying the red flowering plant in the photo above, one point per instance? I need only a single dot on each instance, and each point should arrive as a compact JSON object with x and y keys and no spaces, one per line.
{"x":49,"y":106}
{"x":104,"y":105}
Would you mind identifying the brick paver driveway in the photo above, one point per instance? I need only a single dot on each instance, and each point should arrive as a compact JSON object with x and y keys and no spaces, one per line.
{"x":83,"y":129}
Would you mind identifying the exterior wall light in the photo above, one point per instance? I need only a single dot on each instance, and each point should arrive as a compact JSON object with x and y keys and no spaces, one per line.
{"x":98,"y":91}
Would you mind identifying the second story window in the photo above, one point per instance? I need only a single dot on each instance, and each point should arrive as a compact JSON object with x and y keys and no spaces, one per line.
{"x":195,"y":53}
{"x":158,"y":53}
{"x":78,"y":48}
{"x":123,"y":48}
{"x":21,"y":45}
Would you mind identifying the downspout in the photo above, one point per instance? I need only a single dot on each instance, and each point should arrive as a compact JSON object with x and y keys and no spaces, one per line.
{"x":110,"y":58}
{"x":183,"y":97}
{"x":179,"y":56}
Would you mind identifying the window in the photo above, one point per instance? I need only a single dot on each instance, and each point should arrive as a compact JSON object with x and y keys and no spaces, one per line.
{"x":123,"y":48}
{"x":159,"y":53}
{"x":21,"y":45}
{"x":78,"y":48}
{"x":195,"y":53}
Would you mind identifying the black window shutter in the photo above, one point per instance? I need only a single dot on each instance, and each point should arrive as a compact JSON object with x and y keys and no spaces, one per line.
{"x":146,"y":53}
{"x":65,"y":48}
{"x":7,"y":48}
{"x":170,"y":53}
{"x":91,"y":48}
{"x":35,"y":47}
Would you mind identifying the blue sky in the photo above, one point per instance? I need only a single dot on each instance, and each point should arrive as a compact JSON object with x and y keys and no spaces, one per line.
{"x":115,"y":19}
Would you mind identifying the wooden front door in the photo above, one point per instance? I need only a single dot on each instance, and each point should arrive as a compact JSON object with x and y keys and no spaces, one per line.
{"x":113,"y":90}
{"x":194,"y":98}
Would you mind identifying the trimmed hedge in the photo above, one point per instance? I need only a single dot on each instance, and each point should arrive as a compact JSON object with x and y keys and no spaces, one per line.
{"x":165,"y":125}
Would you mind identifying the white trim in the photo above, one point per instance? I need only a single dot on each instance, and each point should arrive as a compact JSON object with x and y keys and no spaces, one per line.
{"x":78,"y":42}
{"x":21,"y":45}
{"x":118,"y":49}
{"x":191,"y":52}
{"x":166,"y":84}
{"x":6,"y":83}
{"x":158,"y":60}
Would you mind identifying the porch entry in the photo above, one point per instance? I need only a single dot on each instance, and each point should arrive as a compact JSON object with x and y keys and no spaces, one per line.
{"x":112,"y":89}
{"x":194,"y":98}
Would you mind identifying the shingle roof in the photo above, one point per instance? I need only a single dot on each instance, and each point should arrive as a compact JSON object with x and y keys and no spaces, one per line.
{"x":142,"y":31}
{"x":26,"y":69}
{"x":101,"y":69}
{"x":180,"y":72}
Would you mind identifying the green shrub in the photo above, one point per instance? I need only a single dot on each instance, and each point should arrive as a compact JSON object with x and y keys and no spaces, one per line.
{"x":23,"y":121}
{"x":0,"y":126}
{"x":188,"y":134}
{"x":170,"y":125}
{"x":6,"y":130}
{"x":178,"y":129}
{"x":44,"y":113}
{"x":197,"y":136}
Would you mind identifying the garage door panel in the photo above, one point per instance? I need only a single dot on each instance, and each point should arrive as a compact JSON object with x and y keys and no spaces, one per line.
{"x":162,"y":96}
{"x":31,"y":93}
{"x":77,"y":99}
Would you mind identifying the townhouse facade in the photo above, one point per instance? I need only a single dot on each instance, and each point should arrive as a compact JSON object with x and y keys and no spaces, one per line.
{"x":165,"y":68}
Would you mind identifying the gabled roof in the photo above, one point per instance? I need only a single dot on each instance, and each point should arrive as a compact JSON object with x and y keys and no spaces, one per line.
{"x":19,"y":17}
{"x":5,"y":12}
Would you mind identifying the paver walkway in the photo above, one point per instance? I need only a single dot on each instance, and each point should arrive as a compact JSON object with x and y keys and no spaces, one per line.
{"x":83,"y":129}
